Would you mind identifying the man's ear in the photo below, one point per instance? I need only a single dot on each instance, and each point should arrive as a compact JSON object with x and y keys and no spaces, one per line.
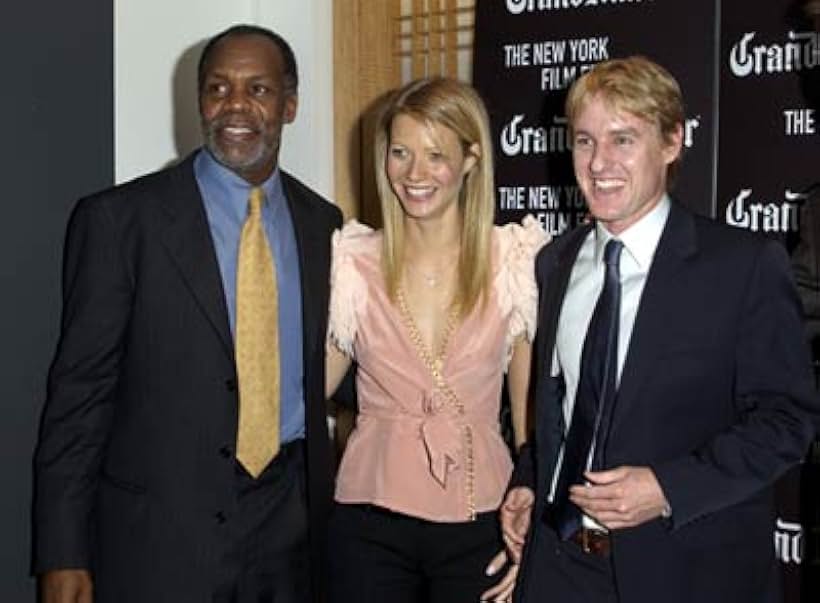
{"x":291,"y":105}
{"x":673,"y":144}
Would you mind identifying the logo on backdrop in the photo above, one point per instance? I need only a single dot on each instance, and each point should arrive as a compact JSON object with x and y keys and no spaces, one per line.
{"x":788,"y":541}
{"x":517,"y":138}
{"x":556,"y":207}
{"x":520,"y":139}
{"x":553,"y":55}
{"x":690,"y":126}
{"x":764,"y":216}
{"x":516,"y":7}
{"x":802,"y":51}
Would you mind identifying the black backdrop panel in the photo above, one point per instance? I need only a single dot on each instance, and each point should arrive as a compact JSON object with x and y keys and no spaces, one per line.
{"x":769,"y":143}
{"x":526,"y":58}
{"x":57,"y":145}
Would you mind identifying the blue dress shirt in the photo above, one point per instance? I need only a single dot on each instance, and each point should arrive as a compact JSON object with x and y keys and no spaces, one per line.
{"x":225,"y":196}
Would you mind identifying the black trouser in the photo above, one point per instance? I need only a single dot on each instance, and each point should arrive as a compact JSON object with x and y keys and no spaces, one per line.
{"x":377,"y":556}
{"x":267,"y":559}
{"x":561,"y":571}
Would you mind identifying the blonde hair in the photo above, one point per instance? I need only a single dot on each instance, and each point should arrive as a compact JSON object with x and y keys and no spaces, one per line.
{"x":635,"y":85}
{"x":454,"y":105}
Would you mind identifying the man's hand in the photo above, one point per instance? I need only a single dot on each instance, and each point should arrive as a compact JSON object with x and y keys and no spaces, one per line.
{"x":515,"y":523}
{"x":501,"y":592}
{"x":66,"y":586}
{"x":515,"y":515}
{"x":620,"y":498}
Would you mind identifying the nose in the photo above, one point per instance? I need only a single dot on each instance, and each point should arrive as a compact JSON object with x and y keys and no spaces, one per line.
{"x":599,"y":158}
{"x":417,"y":170}
{"x":237,"y":100}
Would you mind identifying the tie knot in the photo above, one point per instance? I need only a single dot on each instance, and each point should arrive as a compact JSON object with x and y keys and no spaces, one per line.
{"x":255,"y":200}
{"x":612,"y":252}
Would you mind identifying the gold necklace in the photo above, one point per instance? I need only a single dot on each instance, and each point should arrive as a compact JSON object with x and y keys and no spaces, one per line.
{"x":435,"y":365}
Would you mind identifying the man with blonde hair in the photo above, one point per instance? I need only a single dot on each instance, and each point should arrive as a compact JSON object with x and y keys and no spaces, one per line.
{"x":672,"y":380}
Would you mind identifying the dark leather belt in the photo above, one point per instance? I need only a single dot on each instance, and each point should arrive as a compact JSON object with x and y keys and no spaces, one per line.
{"x":594,"y":542}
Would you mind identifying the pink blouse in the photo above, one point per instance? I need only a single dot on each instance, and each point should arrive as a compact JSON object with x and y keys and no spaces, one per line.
{"x":427,"y":441}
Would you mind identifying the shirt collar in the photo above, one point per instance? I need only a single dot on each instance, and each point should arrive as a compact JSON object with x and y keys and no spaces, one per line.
{"x":232,"y":189}
{"x":640,"y":239}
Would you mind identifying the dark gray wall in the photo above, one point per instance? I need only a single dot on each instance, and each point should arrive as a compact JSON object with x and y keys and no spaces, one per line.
{"x":57,"y":144}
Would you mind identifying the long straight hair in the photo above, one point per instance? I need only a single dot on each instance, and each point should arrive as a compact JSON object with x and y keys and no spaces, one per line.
{"x":457,"y":106}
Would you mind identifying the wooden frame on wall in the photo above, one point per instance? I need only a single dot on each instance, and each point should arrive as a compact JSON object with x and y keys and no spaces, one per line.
{"x":378,"y":45}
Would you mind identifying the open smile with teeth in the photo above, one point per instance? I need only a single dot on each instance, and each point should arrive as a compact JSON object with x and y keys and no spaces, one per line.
{"x":419,"y":192}
{"x":608,"y":184}
{"x":237,"y":131}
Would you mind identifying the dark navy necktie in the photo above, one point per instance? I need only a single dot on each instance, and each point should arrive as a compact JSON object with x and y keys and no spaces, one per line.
{"x":595,"y":396}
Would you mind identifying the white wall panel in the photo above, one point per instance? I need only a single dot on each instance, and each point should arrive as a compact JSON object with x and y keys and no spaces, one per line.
{"x":157,"y":44}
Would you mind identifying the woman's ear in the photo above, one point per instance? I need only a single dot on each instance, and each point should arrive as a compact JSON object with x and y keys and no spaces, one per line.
{"x":471,"y":158}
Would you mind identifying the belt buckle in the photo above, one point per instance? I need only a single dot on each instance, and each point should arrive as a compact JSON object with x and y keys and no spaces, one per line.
{"x":592,"y":542}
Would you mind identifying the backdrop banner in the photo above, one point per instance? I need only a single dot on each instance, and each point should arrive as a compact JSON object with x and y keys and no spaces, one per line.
{"x":528,"y":53}
{"x":749,"y":72}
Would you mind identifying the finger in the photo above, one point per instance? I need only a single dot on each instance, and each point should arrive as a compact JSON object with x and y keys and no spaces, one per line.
{"x":519,"y":498}
{"x":513,"y":540}
{"x":497,"y":562}
{"x":596,"y":500}
{"x":616,"y":524}
{"x":513,"y":551}
{"x":609,"y":492}
{"x":516,"y":536}
{"x":608,"y":476}
{"x":504,"y":589}
{"x":613,"y":519}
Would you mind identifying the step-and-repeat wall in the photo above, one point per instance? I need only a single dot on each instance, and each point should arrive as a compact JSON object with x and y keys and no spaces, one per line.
{"x":750,"y":74}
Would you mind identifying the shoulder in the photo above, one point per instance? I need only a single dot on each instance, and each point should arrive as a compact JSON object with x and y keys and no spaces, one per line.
{"x":299,"y":192}
{"x":560,"y":245}
{"x":356,"y":240}
{"x":520,"y":241}
{"x":717,"y":241}
{"x":144,"y":193}
{"x":515,"y":284}
{"x":355,"y":255}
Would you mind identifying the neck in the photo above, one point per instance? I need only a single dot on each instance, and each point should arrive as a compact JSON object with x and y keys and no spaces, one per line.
{"x":434,"y":238}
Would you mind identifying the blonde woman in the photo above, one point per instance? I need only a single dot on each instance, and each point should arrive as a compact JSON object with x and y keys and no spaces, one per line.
{"x":434,"y":308}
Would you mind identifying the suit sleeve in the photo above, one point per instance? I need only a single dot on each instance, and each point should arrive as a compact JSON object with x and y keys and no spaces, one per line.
{"x":774,"y":402}
{"x":97,"y":296}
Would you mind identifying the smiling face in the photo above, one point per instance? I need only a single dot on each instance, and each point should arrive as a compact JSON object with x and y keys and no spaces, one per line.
{"x":244,"y":102}
{"x":620,"y":162}
{"x":425,"y":166}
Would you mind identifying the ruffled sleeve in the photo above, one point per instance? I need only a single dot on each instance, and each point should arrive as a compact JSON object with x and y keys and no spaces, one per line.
{"x":348,"y":289}
{"x":515,"y":281}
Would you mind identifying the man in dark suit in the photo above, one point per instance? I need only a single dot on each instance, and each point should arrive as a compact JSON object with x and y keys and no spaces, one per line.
{"x":672,"y":380}
{"x":146,"y":489}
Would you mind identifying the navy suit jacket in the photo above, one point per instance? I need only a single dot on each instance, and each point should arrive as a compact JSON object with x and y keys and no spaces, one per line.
{"x":716,"y":396}
{"x":134,"y":470}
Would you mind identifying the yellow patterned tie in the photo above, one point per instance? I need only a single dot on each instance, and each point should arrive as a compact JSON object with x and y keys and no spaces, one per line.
{"x":257,"y":344}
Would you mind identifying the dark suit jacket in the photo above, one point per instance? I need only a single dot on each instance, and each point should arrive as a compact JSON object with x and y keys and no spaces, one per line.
{"x":135,"y":464}
{"x":716,"y":396}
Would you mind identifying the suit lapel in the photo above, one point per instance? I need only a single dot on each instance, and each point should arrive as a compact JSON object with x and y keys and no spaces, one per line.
{"x":554,"y":288}
{"x":553,"y":280}
{"x":678,"y":243}
{"x":187,"y":238}
{"x":303,"y":218}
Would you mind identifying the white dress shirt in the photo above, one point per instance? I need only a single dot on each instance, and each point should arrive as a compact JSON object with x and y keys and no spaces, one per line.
{"x":586,"y":281}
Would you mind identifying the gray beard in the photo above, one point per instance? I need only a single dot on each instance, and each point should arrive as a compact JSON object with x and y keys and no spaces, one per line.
{"x":260,"y":155}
